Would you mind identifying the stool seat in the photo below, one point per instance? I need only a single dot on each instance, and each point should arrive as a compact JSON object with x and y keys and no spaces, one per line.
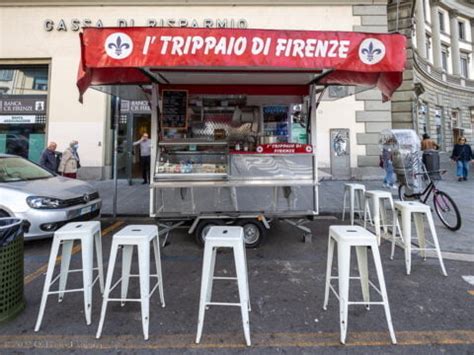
{"x":412,"y":206}
{"x":76,"y":230}
{"x":379,"y":193}
{"x":355,"y":186}
{"x":352,"y":235}
{"x":225,"y":234}
{"x":135,"y":234}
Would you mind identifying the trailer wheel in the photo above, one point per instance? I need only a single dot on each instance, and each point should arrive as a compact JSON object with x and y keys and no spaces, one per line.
{"x":254,"y":232}
{"x":203,"y":227}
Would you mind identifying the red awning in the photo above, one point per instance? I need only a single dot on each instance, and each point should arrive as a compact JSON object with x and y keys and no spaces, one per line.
{"x":248,"y":58}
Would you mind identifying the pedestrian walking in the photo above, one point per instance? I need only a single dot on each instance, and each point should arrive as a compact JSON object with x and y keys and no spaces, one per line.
{"x":70,"y":162}
{"x":428,"y":144}
{"x":145,"y":152}
{"x":48,"y":158}
{"x":462,"y":155}
{"x":387,"y":163}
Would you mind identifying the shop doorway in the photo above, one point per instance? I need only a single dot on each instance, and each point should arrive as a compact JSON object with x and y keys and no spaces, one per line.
{"x":131,"y":128}
{"x":141,"y":123}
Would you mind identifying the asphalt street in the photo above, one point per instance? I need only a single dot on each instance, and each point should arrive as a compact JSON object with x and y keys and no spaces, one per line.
{"x":431,"y":313}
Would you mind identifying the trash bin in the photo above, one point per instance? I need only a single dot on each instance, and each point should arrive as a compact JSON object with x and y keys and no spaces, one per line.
{"x":431,"y":161}
{"x":12,"y":300}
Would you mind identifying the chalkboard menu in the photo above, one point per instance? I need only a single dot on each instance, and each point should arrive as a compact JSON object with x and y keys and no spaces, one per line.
{"x":174,"y":111}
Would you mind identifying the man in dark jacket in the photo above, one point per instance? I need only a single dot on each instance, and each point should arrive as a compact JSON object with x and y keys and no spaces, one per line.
{"x":462,"y":155}
{"x":48,"y":158}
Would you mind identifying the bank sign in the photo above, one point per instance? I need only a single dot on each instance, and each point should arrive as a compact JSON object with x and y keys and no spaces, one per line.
{"x":21,"y":109}
{"x":76,"y":24}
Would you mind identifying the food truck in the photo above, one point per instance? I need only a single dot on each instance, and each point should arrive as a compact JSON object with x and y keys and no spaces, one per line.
{"x":234,"y":113}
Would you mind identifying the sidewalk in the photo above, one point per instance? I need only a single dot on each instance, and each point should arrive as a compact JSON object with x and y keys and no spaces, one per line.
{"x":134,"y":201}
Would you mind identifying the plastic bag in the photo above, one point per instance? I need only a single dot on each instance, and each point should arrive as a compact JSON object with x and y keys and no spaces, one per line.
{"x":10,"y":230}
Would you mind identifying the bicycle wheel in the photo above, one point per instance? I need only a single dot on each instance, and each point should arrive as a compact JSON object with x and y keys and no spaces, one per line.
{"x":403,"y":196}
{"x":447,"y":210}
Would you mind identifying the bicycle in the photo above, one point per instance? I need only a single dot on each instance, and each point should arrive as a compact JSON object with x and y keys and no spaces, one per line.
{"x":444,"y":205}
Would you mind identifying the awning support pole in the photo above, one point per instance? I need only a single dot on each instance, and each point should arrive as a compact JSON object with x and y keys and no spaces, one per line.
{"x":116,"y":131}
{"x":154,"y":142}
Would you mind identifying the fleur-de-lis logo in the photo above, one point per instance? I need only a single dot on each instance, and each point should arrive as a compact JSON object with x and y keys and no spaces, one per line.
{"x":118,"y":45}
{"x":371,"y":51}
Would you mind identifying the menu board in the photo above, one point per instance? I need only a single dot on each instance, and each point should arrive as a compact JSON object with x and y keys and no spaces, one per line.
{"x":174,"y":110}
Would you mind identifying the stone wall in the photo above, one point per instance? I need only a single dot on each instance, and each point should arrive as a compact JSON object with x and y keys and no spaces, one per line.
{"x":376,"y":114}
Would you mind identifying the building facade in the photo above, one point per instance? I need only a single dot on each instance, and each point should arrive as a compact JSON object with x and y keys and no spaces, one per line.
{"x":39,"y":57}
{"x":437,"y":96}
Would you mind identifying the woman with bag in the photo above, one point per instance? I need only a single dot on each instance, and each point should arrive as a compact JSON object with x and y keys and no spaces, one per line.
{"x":70,"y":161}
{"x":462,"y":155}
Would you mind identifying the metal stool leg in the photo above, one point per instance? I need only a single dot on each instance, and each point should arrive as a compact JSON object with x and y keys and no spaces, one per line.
{"x":87,"y":275}
{"x":108,"y":284}
{"x":211,"y":276}
{"x":344,"y":203}
{"x":352,"y":201}
{"x":361,"y":252}
{"x":66,"y":253}
{"x":436,"y":243}
{"x":383,"y":290}
{"x":344,"y":263}
{"x":420,"y":233}
{"x":406,"y":232}
{"x":47,"y":283}
{"x":156,"y":248}
{"x":144,"y":269}
{"x":127,"y":256}
{"x":331,"y":243}
{"x":100,"y":264}
{"x":206,"y":269}
{"x":243,"y":292}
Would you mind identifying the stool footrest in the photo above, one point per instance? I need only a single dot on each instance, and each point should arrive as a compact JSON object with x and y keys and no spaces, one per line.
{"x":120,"y":280}
{"x":223,"y":304}
{"x":66,"y":291}
{"x":354,"y":278}
{"x":224,"y":278}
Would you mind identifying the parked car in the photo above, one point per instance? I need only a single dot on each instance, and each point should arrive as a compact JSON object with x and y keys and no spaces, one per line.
{"x":44,"y":200}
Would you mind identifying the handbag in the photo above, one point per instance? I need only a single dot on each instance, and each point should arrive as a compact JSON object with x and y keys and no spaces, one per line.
{"x":380,"y":162}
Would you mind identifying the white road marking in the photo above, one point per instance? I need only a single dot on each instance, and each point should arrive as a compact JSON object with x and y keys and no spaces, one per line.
{"x":469,"y":279}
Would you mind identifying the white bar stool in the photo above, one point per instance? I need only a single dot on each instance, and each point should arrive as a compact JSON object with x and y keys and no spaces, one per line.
{"x":355,"y":193}
{"x":88,"y":233}
{"x":407,"y":209}
{"x":224,"y":237}
{"x":140,"y":236}
{"x":360,"y":238}
{"x":375,"y":202}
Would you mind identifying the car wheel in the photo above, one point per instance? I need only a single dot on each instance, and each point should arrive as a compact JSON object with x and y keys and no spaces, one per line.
{"x":203,"y":227}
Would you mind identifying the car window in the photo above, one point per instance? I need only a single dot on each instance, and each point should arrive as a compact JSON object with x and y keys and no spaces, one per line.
{"x":19,"y":169}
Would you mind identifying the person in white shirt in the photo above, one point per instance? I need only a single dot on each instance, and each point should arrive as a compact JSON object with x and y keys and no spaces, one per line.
{"x":145,"y":152}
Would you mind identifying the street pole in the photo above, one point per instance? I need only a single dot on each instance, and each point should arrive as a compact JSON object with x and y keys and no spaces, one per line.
{"x":116,"y":129}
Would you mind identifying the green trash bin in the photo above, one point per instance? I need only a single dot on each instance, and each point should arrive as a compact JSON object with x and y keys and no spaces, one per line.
{"x":12,"y":300}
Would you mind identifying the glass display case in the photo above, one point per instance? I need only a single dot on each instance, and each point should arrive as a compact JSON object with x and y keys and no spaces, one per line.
{"x":192,"y":160}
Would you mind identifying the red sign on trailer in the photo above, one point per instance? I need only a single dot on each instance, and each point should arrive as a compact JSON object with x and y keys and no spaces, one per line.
{"x":284,"y":148}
